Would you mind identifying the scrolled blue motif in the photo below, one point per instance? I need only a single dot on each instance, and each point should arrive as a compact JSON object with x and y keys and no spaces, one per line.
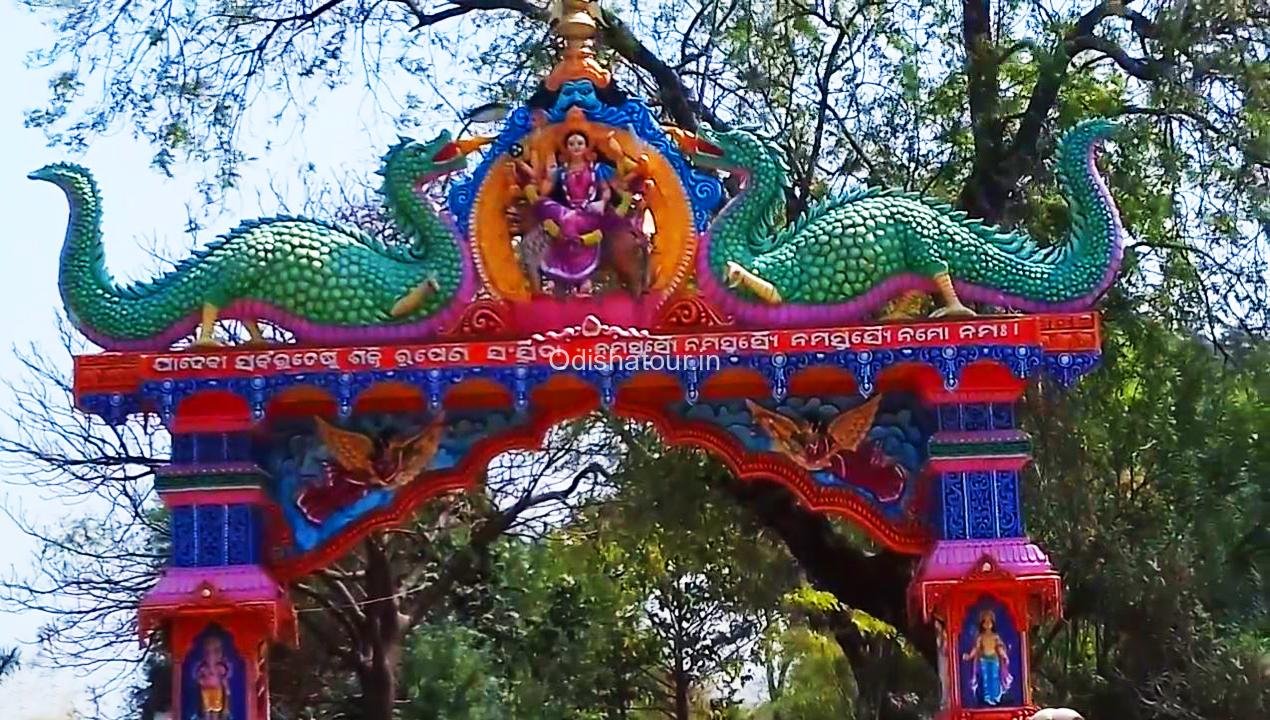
{"x":1009,"y":519}
{"x":114,"y":408}
{"x":1066,"y":368}
{"x":241,"y":535}
{"x":184,"y":537}
{"x":865,"y":365}
{"x":521,"y":379}
{"x":954,"y":505}
{"x":209,"y":521}
{"x":776,"y":369}
{"x":950,"y":361}
{"x":981,"y":502}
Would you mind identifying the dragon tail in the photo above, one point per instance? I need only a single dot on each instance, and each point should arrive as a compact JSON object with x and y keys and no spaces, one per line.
{"x":1073,"y":274}
{"x":135,"y":317}
{"x":1095,"y":239}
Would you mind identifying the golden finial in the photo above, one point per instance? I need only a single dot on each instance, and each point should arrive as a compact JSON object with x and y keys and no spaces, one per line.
{"x":577,"y":22}
{"x":575,"y":19}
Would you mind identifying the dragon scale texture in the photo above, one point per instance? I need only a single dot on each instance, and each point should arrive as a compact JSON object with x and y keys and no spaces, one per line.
{"x":847,"y":257}
{"x":320,"y":281}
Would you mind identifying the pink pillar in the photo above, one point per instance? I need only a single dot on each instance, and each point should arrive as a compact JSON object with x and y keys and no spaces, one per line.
{"x":217,"y":602}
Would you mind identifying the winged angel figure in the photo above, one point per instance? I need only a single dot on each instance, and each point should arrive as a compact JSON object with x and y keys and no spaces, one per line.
{"x":835,"y":447}
{"x":810,"y":446}
{"x":359,"y":463}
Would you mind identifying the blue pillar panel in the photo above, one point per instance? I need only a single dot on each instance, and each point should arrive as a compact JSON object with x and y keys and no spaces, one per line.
{"x":953,"y":506}
{"x":976,"y":417}
{"x":216,"y":535}
{"x":979,"y":504}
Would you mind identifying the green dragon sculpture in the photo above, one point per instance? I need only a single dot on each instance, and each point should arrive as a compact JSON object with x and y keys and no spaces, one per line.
{"x":321,"y":282}
{"x":849,"y":256}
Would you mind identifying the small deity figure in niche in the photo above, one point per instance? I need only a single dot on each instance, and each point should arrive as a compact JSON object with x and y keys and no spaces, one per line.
{"x":990,"y":677}
{"x":212,"y":674}
{"x":580,"y":214}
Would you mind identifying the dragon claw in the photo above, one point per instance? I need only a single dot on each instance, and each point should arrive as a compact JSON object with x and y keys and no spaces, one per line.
{"x":413,"y":300}
{"x":739,"y":277}
{"x":953,"y":311}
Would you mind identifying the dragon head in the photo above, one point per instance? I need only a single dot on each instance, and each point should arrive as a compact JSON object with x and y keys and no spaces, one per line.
{"x":736,"y":151}
{"x":418,"y":161}
{"x":1091,"y":133}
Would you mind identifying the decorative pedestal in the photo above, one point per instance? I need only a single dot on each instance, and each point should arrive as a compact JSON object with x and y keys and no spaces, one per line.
{"x":219,"y":605}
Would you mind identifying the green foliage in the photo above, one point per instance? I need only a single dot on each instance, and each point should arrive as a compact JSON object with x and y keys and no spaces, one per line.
{"x":817,"y":684}
{"x":564,"y":617}
{"x":453,"y":676}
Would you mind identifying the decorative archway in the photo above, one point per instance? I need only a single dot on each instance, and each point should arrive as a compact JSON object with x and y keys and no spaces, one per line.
{"x":283,"y":457}
{"x":935,"y":472}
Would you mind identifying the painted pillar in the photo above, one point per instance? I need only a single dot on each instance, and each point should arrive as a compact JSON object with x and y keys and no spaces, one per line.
{"x":983,"y":583}
{"x":218,"y":603}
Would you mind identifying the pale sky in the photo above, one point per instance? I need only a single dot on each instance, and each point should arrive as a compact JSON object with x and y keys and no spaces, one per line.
{"x":346,"y":136}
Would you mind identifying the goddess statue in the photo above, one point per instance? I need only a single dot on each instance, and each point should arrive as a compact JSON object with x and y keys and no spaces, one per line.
{"x":574,"y":212}
{"x":212,"y":674}
{"x":990,"y":676}
{"x":570,"y":225}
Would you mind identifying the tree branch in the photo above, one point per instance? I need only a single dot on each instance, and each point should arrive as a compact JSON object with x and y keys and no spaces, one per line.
{"x":1148,"y":69}
{"x":462,"y":7}
{"x":983,"y":194}
{"x":1053,"y":73}
{"x":675,"y":97}
{"x":818,"y":136}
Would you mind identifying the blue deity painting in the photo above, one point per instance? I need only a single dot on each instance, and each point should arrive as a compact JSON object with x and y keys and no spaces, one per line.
{"x":213,"y":679}
{"x":990,"y":652}
{"x":326,"y":477}
{"x":576,"y":93}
